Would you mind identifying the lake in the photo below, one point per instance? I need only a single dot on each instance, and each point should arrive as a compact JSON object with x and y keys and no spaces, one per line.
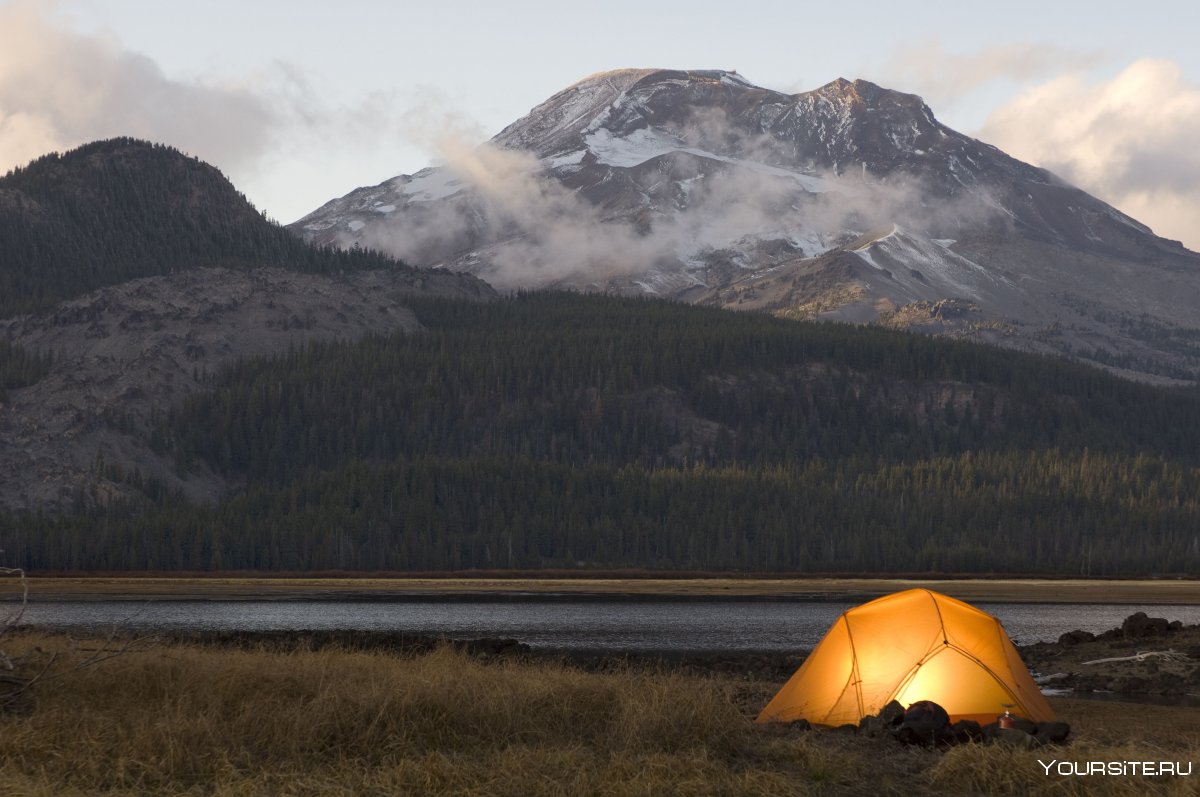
{"x":567,"y":624}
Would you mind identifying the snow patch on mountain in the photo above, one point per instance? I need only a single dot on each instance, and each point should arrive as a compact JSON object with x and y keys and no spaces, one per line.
{"x":432,"y":183}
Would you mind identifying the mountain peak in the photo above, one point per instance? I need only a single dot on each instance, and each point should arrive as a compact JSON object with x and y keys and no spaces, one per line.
{"x":699,"y":185}
{"x":631,"y":76}
{"x":625,"y":76}
{"x":837,"y":86}
{"x":606,"y":98}
{"x":122,"y":148}
{"x":870,"y":94}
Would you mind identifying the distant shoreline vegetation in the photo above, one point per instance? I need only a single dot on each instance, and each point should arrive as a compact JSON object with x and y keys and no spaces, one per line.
{"x":558,"y":430}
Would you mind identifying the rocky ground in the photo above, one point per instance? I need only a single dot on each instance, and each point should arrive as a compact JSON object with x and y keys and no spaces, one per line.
{"x":1145,"y":656}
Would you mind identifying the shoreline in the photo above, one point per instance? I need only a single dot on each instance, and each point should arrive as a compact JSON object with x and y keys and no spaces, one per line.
{"x":1119,"y":680}
{"x":217,"y":588}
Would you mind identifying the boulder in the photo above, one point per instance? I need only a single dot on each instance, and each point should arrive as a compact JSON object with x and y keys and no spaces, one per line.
{"x":966,"y":731}
{"x":925,"y":723}
{"x":1076,"y":637}
{"x":1052,"y":732}
{"x":872,"y":727}
{"x":892,"y":714}
{"x":1139,"y":626}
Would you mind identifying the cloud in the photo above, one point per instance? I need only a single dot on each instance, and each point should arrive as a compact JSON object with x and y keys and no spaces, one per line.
{"x":1129,"y":140}
{"x":59,"y":89}
{"x":527,"y":229}
{"x":942,"y":77}
{"x":537,"y":232}
{"x":269,"y":130}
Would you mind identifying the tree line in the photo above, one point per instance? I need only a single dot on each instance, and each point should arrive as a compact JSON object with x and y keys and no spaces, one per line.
{"x":1051,"y":512}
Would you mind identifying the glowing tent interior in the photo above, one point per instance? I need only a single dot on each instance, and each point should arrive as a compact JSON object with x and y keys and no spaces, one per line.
{"x":909,"y":646}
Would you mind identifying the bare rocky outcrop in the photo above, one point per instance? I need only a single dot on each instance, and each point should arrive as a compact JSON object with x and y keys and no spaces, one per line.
{"x":125,"y":355}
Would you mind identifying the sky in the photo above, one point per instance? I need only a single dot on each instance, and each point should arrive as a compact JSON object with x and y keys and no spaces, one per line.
{"x":299,"y":102}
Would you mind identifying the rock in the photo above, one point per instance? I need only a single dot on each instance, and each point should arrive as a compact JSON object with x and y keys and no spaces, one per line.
{"x":847,"y":728}
{"x":925,"y":722}
{"x":872,"y":727}
{"x":1052,"y":732}
{"x":1075,"y":637}
{"x":800,"y":725}
{"x":966,"y":731}
{"x":1014,"y":737}
{"x":1023,"y":725}
{"x":1139,"y":626}
{"x":892,"y":714}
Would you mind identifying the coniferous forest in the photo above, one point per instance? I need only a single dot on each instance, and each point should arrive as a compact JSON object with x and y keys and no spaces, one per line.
{"x":120,"y":209}
{"x":562,"y":430}
{"x":556,"y":430}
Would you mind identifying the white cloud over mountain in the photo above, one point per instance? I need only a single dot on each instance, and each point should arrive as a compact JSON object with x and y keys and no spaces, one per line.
{"x":59,"y":89}
{"x":1130,"y":140}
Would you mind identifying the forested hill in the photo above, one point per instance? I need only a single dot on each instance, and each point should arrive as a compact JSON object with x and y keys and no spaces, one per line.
{"x":559,"y":430}
{"x":115,"y":210}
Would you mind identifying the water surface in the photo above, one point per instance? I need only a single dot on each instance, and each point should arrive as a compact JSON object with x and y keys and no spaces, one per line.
{"x":725,"y":626}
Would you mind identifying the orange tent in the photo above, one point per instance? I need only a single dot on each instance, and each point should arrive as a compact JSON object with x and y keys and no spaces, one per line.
{"x":909,"y":646}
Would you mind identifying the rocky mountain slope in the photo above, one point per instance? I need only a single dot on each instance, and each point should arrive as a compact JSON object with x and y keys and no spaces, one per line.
{"x":849,"y":202}
{"x":124,"y":356}
{"x":194,"y":278}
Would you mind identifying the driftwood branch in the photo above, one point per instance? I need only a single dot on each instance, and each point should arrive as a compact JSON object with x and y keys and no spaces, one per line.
{"x":1166,"y":655}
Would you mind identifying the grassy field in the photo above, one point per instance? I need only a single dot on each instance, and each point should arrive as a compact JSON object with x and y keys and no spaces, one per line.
{"x":176,"y":719}
{"x":249,"y":588}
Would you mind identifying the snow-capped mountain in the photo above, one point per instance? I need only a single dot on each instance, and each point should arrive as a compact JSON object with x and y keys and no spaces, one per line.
{"x":849,"y":202}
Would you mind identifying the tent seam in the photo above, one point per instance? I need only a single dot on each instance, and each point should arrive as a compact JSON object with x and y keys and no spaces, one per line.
{"x":855,"y":680}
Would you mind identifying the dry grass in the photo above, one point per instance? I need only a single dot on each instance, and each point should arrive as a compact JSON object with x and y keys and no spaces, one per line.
{"x":175,"y":719}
